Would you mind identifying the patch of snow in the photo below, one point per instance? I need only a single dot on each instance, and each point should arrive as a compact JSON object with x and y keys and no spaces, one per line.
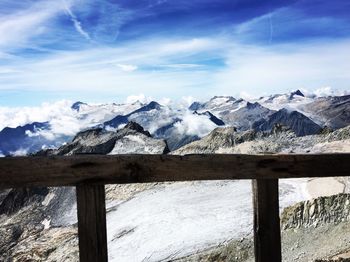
{"x":283,"y":101}
{"x":46,"y":223}
{"x":171,"y":221}
{"x":48,"y":199}
{"x":138,"y":144}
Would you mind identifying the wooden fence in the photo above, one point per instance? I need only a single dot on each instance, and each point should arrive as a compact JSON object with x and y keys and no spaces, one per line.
{"x":89,"y":173}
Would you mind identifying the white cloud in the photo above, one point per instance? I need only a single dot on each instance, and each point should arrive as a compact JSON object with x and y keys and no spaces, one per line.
{"x":127,"y":68}
{"x":186,"y":101}
{"x":19,"y":152}
{"x":247,"y":96}
{"x":279,"y":68}
{"x":134,"y":98}
{"x":193,"y":124}
{"x":62,"y":119}
{"x":165,"y":101}
{"x":329,"y":91}
{"x":182,"y":66}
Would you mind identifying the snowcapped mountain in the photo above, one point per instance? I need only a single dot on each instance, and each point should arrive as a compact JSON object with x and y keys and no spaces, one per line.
{"x":245,"y":117}
{"x":155,"y":219}
{"x":24,"y":139}
{"x":291,"y":100}
{"x":216,"y":104}
{"x":177,"y":124}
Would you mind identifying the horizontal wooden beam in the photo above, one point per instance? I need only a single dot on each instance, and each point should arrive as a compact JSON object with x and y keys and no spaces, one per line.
{"x":102,"y":169}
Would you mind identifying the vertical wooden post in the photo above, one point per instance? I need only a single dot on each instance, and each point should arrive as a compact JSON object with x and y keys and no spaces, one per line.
{"x":267,"y":234}
{"x":92,"y":223}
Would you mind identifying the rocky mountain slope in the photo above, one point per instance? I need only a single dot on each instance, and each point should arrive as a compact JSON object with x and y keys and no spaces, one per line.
{"x":334,"y":111}
{"x":39,"y":224}
{"x":279,"y":140}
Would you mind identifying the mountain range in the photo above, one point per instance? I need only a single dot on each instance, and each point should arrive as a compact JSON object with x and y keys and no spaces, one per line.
{"x":179,"y":124}
{"x":168,"y":221}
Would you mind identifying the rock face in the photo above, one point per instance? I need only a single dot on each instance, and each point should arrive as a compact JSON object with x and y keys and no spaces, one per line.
{"x":226,"y":137}
{"x":334,"y":111}
{"x":100,"y":141}
{"x":299,"y":123}
{"x":39,"y":224}
{"x":296,"y":93}
{"x":316,"y":212}
{"x":246,"y":117}
{"x":280,"y":139}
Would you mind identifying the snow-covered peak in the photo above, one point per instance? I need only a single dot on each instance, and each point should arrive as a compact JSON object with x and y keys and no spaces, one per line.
{"x":221,"y":99}
{"x":218,"y":104}
{"x":291,"y":100}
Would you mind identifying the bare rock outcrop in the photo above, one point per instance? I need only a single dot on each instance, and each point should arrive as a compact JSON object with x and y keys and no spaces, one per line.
{"x":315,"y":212}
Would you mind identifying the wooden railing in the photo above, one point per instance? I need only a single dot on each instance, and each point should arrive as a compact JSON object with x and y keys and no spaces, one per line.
{"x":89,"y":173}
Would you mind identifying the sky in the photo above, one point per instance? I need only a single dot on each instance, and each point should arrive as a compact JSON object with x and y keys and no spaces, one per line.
{"x":105,"y":51}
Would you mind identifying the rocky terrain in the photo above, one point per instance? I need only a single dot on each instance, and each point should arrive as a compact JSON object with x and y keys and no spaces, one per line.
{"x":279,"y":140}
{"x":149,"y":222}
{"x":316,"y":230}
{"x":39,"y":224}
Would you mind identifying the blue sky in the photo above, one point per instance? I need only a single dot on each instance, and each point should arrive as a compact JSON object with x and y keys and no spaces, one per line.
{"x":104,"y":51}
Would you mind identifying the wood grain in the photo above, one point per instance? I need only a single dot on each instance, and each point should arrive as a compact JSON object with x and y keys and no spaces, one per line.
{"x":101,"y":169}
{"x":267,"y":232}
{"x":92,"y":223}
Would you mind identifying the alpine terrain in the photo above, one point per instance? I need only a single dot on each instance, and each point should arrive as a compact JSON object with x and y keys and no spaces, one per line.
{"x":187,"y":221}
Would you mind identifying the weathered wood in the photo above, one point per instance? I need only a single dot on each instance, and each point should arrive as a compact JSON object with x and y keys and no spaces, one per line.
{"x":92,"y":223}
{"x":267,"y":233}
{"x":101,"y":169}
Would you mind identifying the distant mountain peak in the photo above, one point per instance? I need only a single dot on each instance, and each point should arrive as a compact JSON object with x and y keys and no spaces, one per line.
{"x":195,"y":106}
{"x":227,"y":98}
{"x":150,"y":106}
{"x":253,"y":105}
{"x":136,"y":127}
{"x":76,"y":106}
{"x":296,"y":93}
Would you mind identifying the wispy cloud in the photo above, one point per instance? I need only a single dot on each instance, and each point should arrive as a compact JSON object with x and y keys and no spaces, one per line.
{"x":167,"y":48}
{"x":157,"y":72}
{"x":109,"y":68}
{"x":18,"y":27}
{"x":77,"y":24}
